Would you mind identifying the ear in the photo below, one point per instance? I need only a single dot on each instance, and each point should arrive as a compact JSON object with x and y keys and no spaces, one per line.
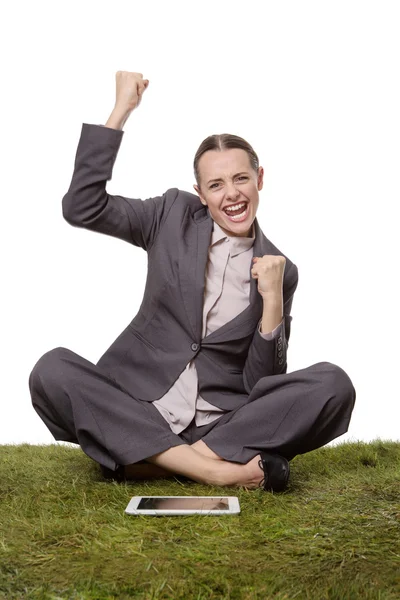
{"x":197,"y":189}
{"x":260,"y":178}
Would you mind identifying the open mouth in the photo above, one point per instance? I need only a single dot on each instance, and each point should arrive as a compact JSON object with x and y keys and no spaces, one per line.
{"x":238,"y":215}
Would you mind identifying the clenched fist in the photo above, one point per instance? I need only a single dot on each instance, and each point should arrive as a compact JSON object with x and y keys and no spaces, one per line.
{"x":129,"y":89}
{"x":269,"y":270}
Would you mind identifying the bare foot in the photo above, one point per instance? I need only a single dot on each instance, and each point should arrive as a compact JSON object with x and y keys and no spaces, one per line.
{"x":252,"y":474}
{"x":231,"y":474}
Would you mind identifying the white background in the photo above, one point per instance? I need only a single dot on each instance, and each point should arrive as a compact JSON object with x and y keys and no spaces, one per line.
{"x":313,"y":86}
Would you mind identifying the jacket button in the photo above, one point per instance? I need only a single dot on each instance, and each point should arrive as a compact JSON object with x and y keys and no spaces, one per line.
{"x":280,"y":361}
{"x":279,"y":339}
{"x":279,"y":346}
{"x":194,"y":347}
{"x":279,"y":354}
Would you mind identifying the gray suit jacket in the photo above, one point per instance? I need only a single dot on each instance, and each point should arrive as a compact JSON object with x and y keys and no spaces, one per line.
{"x":175,"y":230}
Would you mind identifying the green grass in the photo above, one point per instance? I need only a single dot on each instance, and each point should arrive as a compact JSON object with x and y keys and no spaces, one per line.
{"x":333,"y":534}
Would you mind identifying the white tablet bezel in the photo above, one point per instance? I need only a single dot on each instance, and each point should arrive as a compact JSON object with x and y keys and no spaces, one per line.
{"x":233,"y":502}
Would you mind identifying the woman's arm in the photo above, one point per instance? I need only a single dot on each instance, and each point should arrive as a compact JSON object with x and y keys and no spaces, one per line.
{"x":272,"y":311}
{"x":269,"y":357}
{"x":87,"y":203}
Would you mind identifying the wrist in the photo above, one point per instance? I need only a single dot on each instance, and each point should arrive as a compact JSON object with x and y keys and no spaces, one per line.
{"x":272,"y":297}
{"x":272,"y":313}
{"x":118,"y":117}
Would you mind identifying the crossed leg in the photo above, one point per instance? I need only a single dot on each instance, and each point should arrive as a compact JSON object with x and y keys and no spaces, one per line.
{"x":148,"y":470}
{"x":286,"y":414}
{"x":79,"y":403}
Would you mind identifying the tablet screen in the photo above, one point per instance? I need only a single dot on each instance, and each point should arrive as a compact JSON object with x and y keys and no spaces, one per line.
{"x":189,"y":503}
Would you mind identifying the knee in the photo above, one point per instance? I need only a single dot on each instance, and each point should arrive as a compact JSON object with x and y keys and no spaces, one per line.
{"x":47,"y":366}
{"x":339,"y":384}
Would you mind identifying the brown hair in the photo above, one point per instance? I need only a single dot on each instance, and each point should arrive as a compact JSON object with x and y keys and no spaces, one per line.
{"x":223,"y":141}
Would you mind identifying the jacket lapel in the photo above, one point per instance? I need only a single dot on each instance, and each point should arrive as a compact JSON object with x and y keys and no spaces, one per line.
{"x":193,"y":256}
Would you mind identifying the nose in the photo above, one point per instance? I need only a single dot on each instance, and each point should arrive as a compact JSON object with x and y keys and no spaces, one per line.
{"x":232,"y":192}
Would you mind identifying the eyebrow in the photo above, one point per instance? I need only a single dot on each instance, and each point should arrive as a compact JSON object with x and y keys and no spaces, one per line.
{"x":220,"y":179}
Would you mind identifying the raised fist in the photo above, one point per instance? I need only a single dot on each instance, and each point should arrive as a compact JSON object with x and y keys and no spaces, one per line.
{"x":129,"y":89}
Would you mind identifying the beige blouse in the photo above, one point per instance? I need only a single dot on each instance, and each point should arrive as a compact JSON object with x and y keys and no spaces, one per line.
{"x":226,"y":294}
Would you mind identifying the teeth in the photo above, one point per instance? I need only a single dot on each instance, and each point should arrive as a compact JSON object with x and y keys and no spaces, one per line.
{"x":238,"y":207}
{"x":238,"y":215}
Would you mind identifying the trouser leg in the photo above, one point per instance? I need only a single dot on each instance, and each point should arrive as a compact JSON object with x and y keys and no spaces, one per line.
{"x":287,"y":414}
{"x":80,"y":404}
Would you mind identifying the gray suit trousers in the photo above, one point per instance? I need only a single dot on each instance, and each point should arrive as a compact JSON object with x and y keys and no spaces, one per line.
{"x":287,"y":414}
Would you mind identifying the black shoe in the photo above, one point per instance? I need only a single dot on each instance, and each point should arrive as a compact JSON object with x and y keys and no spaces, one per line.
{"x":276,"y":472}
{"x":118,"y":474}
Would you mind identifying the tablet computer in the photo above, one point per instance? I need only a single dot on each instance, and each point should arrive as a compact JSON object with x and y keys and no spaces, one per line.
{"x":183,"y":505}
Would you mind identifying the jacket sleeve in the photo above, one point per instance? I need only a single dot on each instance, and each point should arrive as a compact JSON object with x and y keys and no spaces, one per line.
{"x":271,"y":334}
{"x":268,"y":356}
{"x":87,"y":203}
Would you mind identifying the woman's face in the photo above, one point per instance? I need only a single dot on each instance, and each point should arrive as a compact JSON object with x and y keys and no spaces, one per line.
{"x":226,"y":178}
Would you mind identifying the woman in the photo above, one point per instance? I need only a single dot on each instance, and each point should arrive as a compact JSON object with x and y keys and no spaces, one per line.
{"x":197,"y":383}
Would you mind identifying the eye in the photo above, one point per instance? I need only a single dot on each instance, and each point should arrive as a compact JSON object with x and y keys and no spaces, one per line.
{"x":240,"y":177}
